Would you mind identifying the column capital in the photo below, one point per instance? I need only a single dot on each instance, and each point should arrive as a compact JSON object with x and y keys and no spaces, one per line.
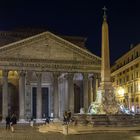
{"x":22,"y":73}
{"x":38,"y":75}
{"x":91,"y":77}
{"x":56,"y":75}
{"x":5,"y":73}
{"x":85,"y":76}
{"x":27,"y":78}
{"x":96,"y":75}
{"x":70,"y":75}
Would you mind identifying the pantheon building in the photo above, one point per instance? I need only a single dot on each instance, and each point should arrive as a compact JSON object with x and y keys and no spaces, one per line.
{"x":43,"y":74}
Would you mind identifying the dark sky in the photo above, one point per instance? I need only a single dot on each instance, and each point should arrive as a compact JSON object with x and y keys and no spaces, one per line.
{"x":78,"y":18}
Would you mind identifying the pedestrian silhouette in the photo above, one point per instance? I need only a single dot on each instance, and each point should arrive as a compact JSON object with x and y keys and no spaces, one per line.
{"x":8,"y":122}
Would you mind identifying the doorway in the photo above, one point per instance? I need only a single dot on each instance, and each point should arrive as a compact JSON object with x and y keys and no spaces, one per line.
{"x":45,"y":102}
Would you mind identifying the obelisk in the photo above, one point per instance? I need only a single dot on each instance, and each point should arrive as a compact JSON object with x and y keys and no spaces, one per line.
{"x":108,"y":98}
{"x":105,"y":65}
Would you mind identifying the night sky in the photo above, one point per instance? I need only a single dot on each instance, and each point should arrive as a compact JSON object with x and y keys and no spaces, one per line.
{"x":78,"y":18}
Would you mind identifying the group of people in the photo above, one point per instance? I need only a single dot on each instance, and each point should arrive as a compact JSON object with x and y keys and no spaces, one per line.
{"x":11,"y":120}
{"x":67,"y":117}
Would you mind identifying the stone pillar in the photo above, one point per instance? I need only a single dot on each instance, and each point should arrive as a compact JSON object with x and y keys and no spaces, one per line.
{"x":56,"y":95}
{"x":22,"y":96}
{"x":39,"y":97}
{"x":90,"y":90}
{"x":85,"y":91}
{"x":94,"y":88}
{"x":61,"y":97}
{"x":71,"y":92}
{"x":4,"y":94}
{"x":28,"y":113}
{"x":96,"y":83}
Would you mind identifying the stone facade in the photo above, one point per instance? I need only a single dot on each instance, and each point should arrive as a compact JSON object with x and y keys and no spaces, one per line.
{"x":125,"y":75}
{"x":44,"y":75}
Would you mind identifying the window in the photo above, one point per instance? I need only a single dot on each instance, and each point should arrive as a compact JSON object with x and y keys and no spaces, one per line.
{"x":132,"y":57}
{"x":137,"y":74}
{"x":137,"y":54}
{"x":127,"y":78}
{"x":137,"y":99}
{"x":137,"y":65}
{"x":123,"y":100}
{"x":124,"y":63}
{"x":132,"y":77}
{"x":124,"y":79}
{"x":120,"y":81}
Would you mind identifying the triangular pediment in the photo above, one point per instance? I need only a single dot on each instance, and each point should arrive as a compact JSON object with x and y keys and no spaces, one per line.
{"x":46,"y":46}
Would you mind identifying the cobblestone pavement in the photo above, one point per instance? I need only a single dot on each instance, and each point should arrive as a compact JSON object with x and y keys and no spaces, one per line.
{"x":28,"y":133}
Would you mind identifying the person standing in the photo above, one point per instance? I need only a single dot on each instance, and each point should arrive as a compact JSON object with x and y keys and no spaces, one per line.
{"x":65,"y":116}
{"x":13,"y":122}
{"x":69,"y":116}
{"x":8,"y":122}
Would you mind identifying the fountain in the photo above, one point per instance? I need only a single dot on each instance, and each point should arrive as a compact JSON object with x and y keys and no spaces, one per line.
{"x":96,"y":107}
{"x":106,"y":110}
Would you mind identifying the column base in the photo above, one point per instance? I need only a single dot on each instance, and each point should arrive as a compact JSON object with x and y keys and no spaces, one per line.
{"x":3,"y":121}
{"x":40,"y":121}
{"x":22,"y":121}
{"x":56,"y":120}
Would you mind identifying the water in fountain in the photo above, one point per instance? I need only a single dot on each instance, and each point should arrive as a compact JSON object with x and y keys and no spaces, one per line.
{"x":97,"y":106}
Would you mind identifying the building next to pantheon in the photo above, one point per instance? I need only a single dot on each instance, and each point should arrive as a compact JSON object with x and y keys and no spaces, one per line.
{"x":126,"y":78}
{"x":43,"y":74}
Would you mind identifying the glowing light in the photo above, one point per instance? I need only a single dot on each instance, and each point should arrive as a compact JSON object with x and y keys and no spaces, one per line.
{"x":133,"y":108}
{"x":121,"y":91}
{"x":139,"y":87}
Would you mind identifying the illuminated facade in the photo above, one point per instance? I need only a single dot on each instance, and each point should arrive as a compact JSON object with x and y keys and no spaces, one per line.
{"x":125,"y":75}
{"x":45,"y":74}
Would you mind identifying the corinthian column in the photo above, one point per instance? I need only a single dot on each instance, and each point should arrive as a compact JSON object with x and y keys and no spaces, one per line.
{"x":4,"y":94}
{"x":39,"y":97}
{"x":85,"y":91}
{"x":90,"y":89}
{"x":71,"y":92}
{"x":21,"y":96}
{"x":56,"y":96}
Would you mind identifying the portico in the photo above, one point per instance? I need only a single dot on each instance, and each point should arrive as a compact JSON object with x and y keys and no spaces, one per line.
{"x":49,"y":75}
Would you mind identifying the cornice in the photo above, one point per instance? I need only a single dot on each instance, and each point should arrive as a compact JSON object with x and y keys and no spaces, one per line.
{"x":71,"y":62}
{"x":48,"y":65}
{"x":135,"y":61}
